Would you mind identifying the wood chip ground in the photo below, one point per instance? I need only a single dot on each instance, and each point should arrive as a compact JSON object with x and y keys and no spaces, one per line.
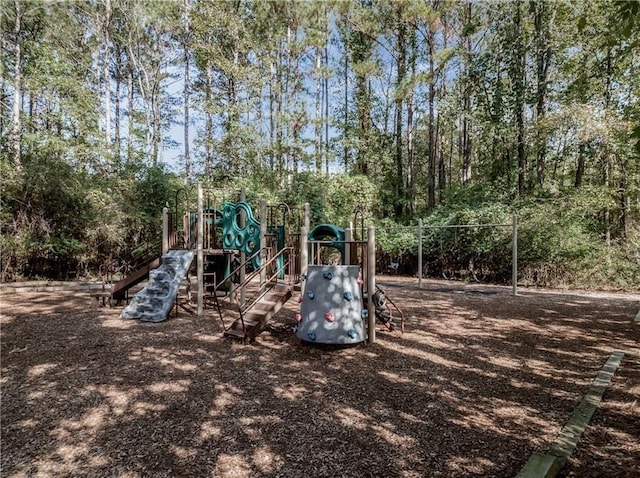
{"x":478,"y":382}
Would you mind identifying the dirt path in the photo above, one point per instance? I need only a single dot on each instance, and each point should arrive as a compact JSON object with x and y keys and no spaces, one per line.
{"x":479,"y":380}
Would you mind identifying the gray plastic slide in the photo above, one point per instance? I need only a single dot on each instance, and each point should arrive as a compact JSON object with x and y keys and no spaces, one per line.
{"x":153,"y":303}
{"x":331,"y":311}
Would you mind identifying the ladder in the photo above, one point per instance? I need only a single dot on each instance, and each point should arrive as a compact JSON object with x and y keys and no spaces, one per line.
{"x":266,"y":294}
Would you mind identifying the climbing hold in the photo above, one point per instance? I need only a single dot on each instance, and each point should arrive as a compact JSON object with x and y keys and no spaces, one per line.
{"x":328,"y":275}
{"x":310,"y":294}
{"x":295,"y":329}
{"x":364,"y":313}
{"x":360,"y":281}
{"x":348,"y":295}
{"x":311,"y":335}
{"x":330,"y":317}
{"x":352,"y":333}
{"x":298,"y":317}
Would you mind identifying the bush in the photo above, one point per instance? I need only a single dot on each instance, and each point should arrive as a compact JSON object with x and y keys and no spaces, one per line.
{"x":558,"y":246}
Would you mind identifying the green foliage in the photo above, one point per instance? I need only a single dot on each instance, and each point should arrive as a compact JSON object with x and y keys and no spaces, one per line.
{"x":333,"y":199}
{"x":45,"y":212}
{"x":529,"y":107}
{"x":312,"y":189}
{"x":347,"y":194}
{"x":395,"y":240}
{"x":560,"y":243}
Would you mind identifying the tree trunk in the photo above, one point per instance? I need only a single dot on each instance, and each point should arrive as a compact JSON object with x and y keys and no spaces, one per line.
{"x":360,"y":47}
{"x":466,"y":141}
{"x":286,"y":99}
{"x":607,"y":151}
{"x":16,"y":124}
{"x":279,"y":108}
{"x":117,"y":105}
{"x":326,"y":92}
{"x":208,"y":152}
{"x":449,"y":172}
{"x":156,"y":134}
{"x":130,"y":108}
{"x":33,"y":114}
{"x":107,"y":75}
{"x":318,"y":118}
{"x":272,"y":118}
{"x":401,"y":48}
{"x":580,"y":167}
{"x":519,"y":89}
{"x":607,"y":184}
{"x":626,"y":218}
{"x":466,"y":145}
{"x":3,"y":79}
{"x":442,"y":177}
{"x":410,"y":134}
{"x":364,"y":122}
{"x":431,"y":162}
{"x":543,"y":58}
{"x":187,"y":87}
{"x":345,"y":151}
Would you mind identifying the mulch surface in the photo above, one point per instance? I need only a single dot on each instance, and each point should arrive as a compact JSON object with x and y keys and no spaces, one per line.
{"x":479,"y":381}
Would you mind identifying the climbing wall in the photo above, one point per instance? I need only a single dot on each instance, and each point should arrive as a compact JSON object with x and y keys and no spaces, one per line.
{"x":331,"y":308}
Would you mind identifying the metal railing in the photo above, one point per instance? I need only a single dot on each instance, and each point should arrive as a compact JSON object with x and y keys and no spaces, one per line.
{"x":385,"y":308}
{"x":262,"y":290}
{"x":355,"y":253}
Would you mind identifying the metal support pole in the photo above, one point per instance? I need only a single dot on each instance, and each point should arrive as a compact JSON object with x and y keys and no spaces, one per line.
{"x":200,"y":254}
{"x":371,"y":284}
{"x":348,"y":239}
{"x":304,"y":256}
{"x":242,"y":223}
{"x":514,"y":265}
{"x":419,"y":253}
{"x":307,"y":216}
{"x":165,"y":230}
{"x":263,"y":240}
{"x":304,"y":242}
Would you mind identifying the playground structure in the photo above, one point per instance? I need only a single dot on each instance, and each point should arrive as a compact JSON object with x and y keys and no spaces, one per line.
{"x":248,"y":267}
{"x":232,"y":249}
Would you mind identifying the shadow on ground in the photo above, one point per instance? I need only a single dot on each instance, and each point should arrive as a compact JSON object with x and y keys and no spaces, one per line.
{"x":477,"y":382}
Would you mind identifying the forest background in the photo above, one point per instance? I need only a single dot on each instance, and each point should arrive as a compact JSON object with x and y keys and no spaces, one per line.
{"x":456,"y":112}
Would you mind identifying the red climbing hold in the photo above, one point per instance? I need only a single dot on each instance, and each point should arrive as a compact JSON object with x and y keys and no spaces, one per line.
{"x":298,"y":317}
{"x":329,"y":316}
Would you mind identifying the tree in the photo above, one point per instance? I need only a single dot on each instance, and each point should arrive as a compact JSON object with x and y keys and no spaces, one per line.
{"x":543,"y":22}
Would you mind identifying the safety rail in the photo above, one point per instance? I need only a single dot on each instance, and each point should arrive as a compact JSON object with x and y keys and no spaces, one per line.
{"x":145,"y":252}
{"x":262,"y":290}
{"x":355,"y":253}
